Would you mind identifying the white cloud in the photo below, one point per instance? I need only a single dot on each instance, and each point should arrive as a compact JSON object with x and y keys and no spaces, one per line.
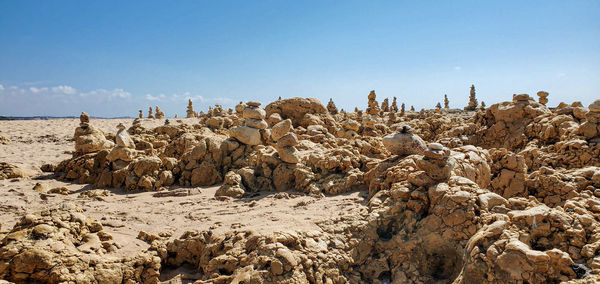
{"x":561,"y":75}
{"x":38,"y":90}
{"x":67,"y":90}
{"x":457,"y":68}
{"x":1,"y":87}
{"x":155,"y":98}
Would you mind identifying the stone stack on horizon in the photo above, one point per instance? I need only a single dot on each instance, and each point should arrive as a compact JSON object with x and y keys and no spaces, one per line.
{"x":446,"y":102}
{"x":150,"y":115}
{"x":385,"y":105}
{"x":472,"y":99}
{"x":159,"y":113}
{"x":394,"y":107}
{"x":190,"y":113}
{"x":543,"y":97}
{"x":373,"y":105}
{"x":331,"y":107}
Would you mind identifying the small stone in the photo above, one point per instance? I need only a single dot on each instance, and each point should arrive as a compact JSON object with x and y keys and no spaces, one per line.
{"x":253,"y":103}
{"x":289,"y":155}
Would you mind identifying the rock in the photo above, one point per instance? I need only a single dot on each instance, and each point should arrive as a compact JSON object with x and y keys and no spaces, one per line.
{"x":404,"y":144}
{"x":287,"y":140}
{"x":253,"y":103}
{"x":280,"y":129}
{"x":232,"y":186}
{"x":123,"y":138}
{"x":594,"y":106}
{"x":10,"y":171}
{"x":246,"y":135}
{"x":254,"y":112}
{"x":296,"y":108}
{"x":257,"y":123}
{"x":289,"y":155}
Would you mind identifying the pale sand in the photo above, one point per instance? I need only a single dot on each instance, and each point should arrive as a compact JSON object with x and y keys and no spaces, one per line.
{"x":124,"y":215}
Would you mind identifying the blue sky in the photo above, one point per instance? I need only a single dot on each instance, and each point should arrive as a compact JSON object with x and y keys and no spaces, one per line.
{"x":111,"y":58}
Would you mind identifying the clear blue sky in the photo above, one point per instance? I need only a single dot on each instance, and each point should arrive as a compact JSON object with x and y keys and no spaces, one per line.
{"x":111,"y":58}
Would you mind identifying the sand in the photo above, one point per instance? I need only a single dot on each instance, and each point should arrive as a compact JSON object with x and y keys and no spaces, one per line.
{"x":124,"y":214}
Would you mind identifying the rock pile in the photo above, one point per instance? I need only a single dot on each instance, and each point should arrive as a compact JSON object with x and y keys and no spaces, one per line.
{"x":141,"y":114}
{"x":590,"y":129}
{"x":394,"y":107}
{"x":385,"y":105}
{"x":159,"y":113}
{"x":543,"y":97}
{"x":446,"y":102}
{"x":373,"y":105}
{"x":150,"y":114}
{"x":331,"y":107}
{"x":190,"y":113}
{"x":255,"y":125}
{"x":472,"y":100}
{"x":87,"y":138}
{"x":286,"y":141}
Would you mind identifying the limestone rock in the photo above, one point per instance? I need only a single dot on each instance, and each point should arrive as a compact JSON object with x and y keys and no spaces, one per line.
{"x":246,"y":135}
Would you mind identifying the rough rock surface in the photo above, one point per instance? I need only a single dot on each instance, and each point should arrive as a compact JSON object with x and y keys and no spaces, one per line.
{"x":507,"y":194}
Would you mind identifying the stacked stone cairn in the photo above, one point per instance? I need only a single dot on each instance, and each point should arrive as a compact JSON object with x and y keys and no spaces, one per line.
{"x":385,"y":105}
{"x":446,"y":102}
{"x":150,"y":115}
{"x":121,"y":155}
{"x":331,"y":107}
{"x":438,"y":106}
{"x":412,"y":108}
{"x":472,"y":100}
{"x":159,"y":113}
{"x":373,"y":107}
{"x":190,"y":113}
{"x":141,"y":114}
{"x":591,"y":128}
{"x":543,"y":97}
{"x":286,"y":141}
{"x":394,"y":107}
{"x":88,"y":139}
{"x":250,"y":133}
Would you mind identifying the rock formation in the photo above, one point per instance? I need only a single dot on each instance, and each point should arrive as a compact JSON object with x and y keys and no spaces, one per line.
{"x":159,"y":113}
{"x":543,"y":97}
{"x":150,"y":115}
{"x":250,"y":134}
{"x":438,"y":106}
{"x":141,"y":114}
{"x":394,"y":107}
{"x":472,"y":100}
{"x":446,"y":102}
{"x":590,"y":129}
{"x":331,"y":107}
{"x":10,"y":171}
{"x":509,"y":194}
{"x":88,"y":139}
{"x":190,"y":113}
{"x":385,"y":105}
{"x":373,"y":105}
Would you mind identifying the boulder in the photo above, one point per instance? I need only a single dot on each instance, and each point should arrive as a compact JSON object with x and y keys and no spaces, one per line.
{"x":246,"y":135}
{"x":404,"y":144}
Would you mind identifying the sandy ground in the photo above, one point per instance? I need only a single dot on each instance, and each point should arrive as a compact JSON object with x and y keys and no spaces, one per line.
{"x":124,"y":215}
